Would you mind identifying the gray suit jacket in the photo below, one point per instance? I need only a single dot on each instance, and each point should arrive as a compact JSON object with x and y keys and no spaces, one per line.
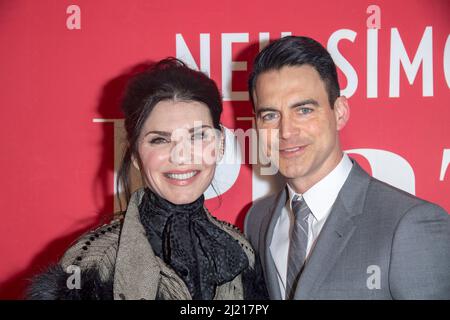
{"x":373,"y":230}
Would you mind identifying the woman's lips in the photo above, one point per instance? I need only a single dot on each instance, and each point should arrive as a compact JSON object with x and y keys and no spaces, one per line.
{"x":181,"y":178}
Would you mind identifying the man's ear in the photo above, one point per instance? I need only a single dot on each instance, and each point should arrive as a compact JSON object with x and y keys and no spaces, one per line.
{"x":341,"y":112}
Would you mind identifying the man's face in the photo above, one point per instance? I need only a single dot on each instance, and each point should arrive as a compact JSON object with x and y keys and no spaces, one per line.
{"x":294,"y":101}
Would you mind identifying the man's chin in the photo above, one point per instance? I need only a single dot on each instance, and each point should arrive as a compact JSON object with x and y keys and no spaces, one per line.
{"x":290,"y":174}
{"x":292,"y":171}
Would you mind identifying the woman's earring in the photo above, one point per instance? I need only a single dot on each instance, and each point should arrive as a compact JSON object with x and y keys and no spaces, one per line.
{"x":222,"y":149}
{"x":222,"y":143}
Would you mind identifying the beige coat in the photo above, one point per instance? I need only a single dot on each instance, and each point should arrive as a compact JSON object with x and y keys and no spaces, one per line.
{"x":124,"y":253}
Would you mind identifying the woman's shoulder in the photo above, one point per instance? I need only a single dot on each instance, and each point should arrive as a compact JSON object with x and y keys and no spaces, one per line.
{"x":252,"y":278}
{"x":86,"y":270}
{"x":95,"y":248}
{"x":238,"y":235}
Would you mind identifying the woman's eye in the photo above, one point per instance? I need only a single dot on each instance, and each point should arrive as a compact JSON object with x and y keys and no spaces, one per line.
{"x":158,"y":140}
{"x":199,"y":136}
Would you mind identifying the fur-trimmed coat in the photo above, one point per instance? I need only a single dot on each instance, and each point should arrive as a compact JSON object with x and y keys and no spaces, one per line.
{"x":117,"y":262}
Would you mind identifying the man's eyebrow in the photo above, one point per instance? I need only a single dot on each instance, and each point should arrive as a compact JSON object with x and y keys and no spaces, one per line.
{"x":304,"y":102}
{"x":293,"y":105}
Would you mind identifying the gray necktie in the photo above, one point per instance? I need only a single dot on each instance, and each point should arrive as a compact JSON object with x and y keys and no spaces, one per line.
{"x":297,"y":246}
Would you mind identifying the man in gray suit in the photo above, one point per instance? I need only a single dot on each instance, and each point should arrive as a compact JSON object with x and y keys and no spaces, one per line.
{"x":333,"y":232}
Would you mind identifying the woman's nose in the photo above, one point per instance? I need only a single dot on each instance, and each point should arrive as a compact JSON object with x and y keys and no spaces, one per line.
{"x":181,"y":152}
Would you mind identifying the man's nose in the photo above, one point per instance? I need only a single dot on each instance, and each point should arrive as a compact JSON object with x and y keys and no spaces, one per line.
{"x":286,"y":127}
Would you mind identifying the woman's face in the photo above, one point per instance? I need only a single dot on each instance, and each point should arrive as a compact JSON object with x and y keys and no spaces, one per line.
{"x":178,"y":148}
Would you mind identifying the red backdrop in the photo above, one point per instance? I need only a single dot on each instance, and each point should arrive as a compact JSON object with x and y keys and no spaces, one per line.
{"x":64,"y":65}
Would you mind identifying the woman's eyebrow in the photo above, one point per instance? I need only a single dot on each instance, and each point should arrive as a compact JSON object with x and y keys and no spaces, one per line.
{"x":161,"y":133}
{"x":199,"y":127}
{"x":168,"y":134}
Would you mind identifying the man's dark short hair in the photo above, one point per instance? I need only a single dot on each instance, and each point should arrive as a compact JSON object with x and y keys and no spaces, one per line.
{"x":295,"y":51}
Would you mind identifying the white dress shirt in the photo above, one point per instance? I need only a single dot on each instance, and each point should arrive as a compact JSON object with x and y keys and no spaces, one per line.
{"x":319,"y":198}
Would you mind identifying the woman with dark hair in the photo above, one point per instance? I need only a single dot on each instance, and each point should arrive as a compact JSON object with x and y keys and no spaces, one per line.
{"x":167,"y":245}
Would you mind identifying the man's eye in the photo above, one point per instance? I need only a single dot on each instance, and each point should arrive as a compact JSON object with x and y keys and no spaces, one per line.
{"x":158,"y":140}
{"x":269,"y":116}
{"x":305,"y":110}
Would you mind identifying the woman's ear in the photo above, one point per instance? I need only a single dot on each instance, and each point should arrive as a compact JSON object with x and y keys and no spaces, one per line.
{"x":341,"y":112}
{"x":135,"y":162}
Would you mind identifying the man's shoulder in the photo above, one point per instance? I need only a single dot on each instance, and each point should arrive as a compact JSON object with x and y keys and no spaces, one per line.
{"x":396,"y":202}
{"x":262,"y":205}
{"x":265,"y":201}
{"x":257,"y":212}
{"x":376,"y":192}
{"x":387,"y":194}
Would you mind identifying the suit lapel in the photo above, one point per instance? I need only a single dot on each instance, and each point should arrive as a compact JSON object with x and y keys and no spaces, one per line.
{"x":335,"y":234}
{"x":268,"y":224}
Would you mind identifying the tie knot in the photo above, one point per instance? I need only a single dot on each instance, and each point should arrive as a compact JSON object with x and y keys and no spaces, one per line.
{"x":300,"y":208}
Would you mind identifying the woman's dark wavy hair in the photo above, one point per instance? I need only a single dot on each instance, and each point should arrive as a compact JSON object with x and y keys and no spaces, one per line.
{"x":297,"y":51}
{"x":168,"y":79}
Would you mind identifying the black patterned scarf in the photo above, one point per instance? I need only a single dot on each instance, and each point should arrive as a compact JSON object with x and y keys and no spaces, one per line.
{"x":202,"y":254}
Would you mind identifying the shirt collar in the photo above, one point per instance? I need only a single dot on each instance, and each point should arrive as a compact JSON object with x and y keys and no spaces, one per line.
{"x":321,"y":196}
